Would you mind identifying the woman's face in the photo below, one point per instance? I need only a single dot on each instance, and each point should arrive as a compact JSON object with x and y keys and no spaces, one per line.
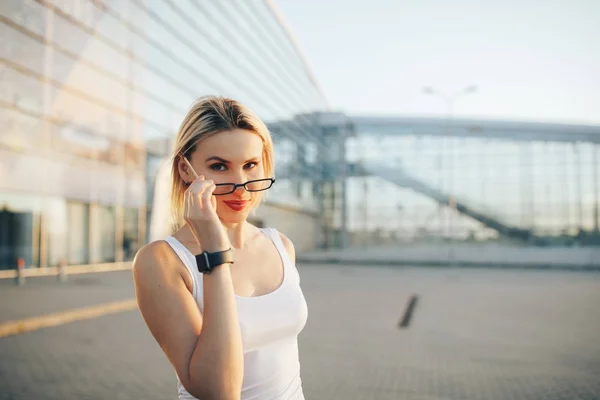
{"x":233,"y":156}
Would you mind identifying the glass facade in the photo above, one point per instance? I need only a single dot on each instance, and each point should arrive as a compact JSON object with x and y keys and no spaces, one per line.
{"x":91,"y":93}
{"x":530,"y":177}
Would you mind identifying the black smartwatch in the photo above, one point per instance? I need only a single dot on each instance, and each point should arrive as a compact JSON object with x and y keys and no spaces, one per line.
{"x":208,"y":261}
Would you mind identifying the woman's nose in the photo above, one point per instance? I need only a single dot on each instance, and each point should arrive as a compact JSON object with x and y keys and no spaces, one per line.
{"x":239,"y":177}
{"x":239,"y":190}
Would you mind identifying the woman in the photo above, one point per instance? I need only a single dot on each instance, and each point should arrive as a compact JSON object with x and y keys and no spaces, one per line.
{"x":221,"y":296}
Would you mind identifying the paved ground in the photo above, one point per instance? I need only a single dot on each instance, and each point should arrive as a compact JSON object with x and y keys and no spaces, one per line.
{"x":44,"y":295}
{"x":475,"y":334}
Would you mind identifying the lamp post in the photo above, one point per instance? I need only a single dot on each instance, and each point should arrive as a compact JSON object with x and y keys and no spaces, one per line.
{"x":448,"y":100}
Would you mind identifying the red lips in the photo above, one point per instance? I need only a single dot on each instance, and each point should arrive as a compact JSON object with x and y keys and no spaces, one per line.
{"x":236,"y":205}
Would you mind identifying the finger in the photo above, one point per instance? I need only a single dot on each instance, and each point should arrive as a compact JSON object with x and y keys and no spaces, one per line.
{"x":199,"y":179}
{"x":201,"y":188}
{"x":207,"y":196}
{"x":187,"y":201}
{"x":213,"y":201}
{"x":198,"y":184}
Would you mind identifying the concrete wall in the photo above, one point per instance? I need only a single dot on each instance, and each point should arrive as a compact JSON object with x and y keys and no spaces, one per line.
{"x":490,"y":255}
{"x":298,"y":225}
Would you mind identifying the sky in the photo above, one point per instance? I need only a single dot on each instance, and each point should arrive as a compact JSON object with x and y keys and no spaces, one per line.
{"x":531,"y":60}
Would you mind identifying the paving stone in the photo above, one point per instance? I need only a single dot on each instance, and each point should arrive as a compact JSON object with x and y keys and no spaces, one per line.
{"x":476,"y":334}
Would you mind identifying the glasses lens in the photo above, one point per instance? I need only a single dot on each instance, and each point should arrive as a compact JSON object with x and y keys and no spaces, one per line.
{"x":223,"y":189}
{"x":258,"y":185}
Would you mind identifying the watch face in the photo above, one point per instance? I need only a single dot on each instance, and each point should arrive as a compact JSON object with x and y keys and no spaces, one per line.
{"x":206,"y":262}
{"x":203,"y":263}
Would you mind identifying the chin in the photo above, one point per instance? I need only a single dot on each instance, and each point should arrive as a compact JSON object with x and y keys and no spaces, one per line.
{"x":233,"y":217}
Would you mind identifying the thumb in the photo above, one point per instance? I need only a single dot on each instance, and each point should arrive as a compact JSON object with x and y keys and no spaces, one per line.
{"x":213,"y":201}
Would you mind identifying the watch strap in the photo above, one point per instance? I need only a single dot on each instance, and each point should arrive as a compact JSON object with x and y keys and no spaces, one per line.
{"x":206,"y":261}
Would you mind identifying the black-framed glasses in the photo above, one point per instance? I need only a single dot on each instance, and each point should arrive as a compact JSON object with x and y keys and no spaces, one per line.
{"x":257,"y":185}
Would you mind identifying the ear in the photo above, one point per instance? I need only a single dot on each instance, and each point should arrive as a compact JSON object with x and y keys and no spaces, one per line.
{"x":183,"y":170}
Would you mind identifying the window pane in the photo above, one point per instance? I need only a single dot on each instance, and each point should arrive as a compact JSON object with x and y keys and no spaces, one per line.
{"x":19,"y":215}
{"x":56,"y":227}
{"x":79,"y":225}
{"x":103,"y":246}
{"x":130,"y":233}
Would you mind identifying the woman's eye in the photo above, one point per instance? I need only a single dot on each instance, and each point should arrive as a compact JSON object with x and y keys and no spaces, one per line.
{"x":250,"y":165}
{"x":218,"y":167}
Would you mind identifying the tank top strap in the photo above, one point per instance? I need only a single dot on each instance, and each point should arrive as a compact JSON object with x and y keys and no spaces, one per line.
{"x":273,"y":234}
{"x":187,"y":259}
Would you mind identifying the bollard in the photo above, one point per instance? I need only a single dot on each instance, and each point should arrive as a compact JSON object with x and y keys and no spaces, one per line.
{"x":408,"y":313}
{"x":62,"y":270}
{"x":20,"y":273}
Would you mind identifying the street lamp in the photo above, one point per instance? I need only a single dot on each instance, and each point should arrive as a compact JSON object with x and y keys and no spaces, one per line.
{"x":451,"y":98}
{"x":448,"y":100}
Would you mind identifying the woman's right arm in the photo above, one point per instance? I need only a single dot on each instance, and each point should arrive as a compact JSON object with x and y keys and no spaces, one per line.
{"x":205,"y":349}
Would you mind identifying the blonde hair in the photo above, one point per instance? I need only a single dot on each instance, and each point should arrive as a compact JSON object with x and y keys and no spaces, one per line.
{"x":208,"y":116}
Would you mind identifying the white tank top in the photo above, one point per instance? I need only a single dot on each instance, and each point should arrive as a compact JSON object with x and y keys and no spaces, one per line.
{"x":269,"y":325}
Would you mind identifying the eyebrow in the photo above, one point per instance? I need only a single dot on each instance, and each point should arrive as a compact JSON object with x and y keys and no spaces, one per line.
{"x":215,"y":158}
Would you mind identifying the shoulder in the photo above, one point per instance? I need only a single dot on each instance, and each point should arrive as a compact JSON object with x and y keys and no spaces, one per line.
{"x":289,"y":246}
{"x":152,"y":261}
{"x":151,"y":254}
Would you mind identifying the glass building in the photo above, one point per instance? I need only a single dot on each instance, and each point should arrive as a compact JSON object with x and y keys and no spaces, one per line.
{"x":474,"y":180}
{"x":92,"y":94}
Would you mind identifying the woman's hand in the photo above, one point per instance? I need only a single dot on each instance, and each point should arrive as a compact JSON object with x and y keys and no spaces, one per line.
{"x":200,"y":213}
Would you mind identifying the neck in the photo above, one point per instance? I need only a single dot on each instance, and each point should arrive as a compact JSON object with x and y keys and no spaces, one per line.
{"x":238,"y":233}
